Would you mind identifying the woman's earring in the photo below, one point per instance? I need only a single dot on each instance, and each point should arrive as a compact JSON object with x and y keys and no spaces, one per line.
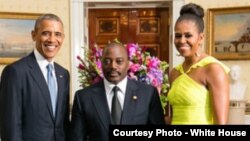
{"x":197,"y":54}
{"x":178,"y":54}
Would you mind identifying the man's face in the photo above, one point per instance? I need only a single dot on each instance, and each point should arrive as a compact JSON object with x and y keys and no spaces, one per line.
{"x":49,"y":37}
{"x":115,"y":63}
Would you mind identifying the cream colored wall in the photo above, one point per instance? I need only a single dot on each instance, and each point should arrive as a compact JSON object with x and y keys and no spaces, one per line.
{"x":62,"y":9}
{"x":58,"y":7}
{"x":244,"y":64}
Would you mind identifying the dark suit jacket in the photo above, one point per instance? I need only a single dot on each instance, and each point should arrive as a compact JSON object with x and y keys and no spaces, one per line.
{"x":91,"y":116}
{"x":25,"y":105}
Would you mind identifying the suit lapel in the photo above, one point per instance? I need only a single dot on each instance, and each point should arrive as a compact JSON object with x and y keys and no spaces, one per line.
{"x":60,"y":88}
{"x":129,"y":103}
{"x":37,"y":75}
{"x":101,"y":105}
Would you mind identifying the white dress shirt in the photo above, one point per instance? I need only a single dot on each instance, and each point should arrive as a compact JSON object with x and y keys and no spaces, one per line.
{"x":42,"y":62}
{"x":121,"y":93}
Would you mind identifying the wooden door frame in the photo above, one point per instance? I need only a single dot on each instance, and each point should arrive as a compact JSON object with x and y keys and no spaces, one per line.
{"x":128,"y":32}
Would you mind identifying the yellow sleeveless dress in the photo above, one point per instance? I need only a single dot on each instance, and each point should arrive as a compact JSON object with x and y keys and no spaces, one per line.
{"x":190,"y":101}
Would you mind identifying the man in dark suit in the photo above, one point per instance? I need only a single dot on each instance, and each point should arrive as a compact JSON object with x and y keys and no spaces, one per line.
{"x":92,"y":108}
{"x":31,"y":110}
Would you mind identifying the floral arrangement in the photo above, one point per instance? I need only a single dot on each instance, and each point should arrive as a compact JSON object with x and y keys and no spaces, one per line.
{"x":143,"y":67}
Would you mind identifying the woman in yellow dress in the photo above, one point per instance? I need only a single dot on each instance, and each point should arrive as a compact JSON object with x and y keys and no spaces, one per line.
{"x":199,"y":91}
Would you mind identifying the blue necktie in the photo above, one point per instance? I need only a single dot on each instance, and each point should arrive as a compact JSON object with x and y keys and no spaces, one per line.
{"x":116,"y":109}
{"x":52,"y":87}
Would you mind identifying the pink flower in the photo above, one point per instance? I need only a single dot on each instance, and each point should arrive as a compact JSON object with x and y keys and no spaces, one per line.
{"x":81,"y":67}
{"x":132,"y":50}
{"x":134,"y":67}
{"x":153,"y":62}
{"x":99,"y":64}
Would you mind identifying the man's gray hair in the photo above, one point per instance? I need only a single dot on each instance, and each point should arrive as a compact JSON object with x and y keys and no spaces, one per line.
{"x":48,"y":16}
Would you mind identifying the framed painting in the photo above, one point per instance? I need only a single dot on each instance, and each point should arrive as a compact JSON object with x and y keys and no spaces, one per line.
{"x":15,"y":35}
{"x":228,"y":31}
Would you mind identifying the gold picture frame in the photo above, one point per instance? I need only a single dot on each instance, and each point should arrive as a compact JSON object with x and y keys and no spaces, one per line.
{"x":15,"y":35}
{"x":229,"y":33}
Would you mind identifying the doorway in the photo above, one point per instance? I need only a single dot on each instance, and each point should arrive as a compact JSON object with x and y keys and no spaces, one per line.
{"x":149,"y":27}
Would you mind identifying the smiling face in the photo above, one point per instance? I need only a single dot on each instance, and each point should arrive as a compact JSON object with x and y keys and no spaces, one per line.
{"x":187,"y":38}
{"x":49,"y":37}
{"x":115,"y":63}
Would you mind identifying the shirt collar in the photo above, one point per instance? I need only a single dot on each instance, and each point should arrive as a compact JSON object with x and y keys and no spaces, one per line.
{"x":41,"y":60}
{"x":109,"y":86}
